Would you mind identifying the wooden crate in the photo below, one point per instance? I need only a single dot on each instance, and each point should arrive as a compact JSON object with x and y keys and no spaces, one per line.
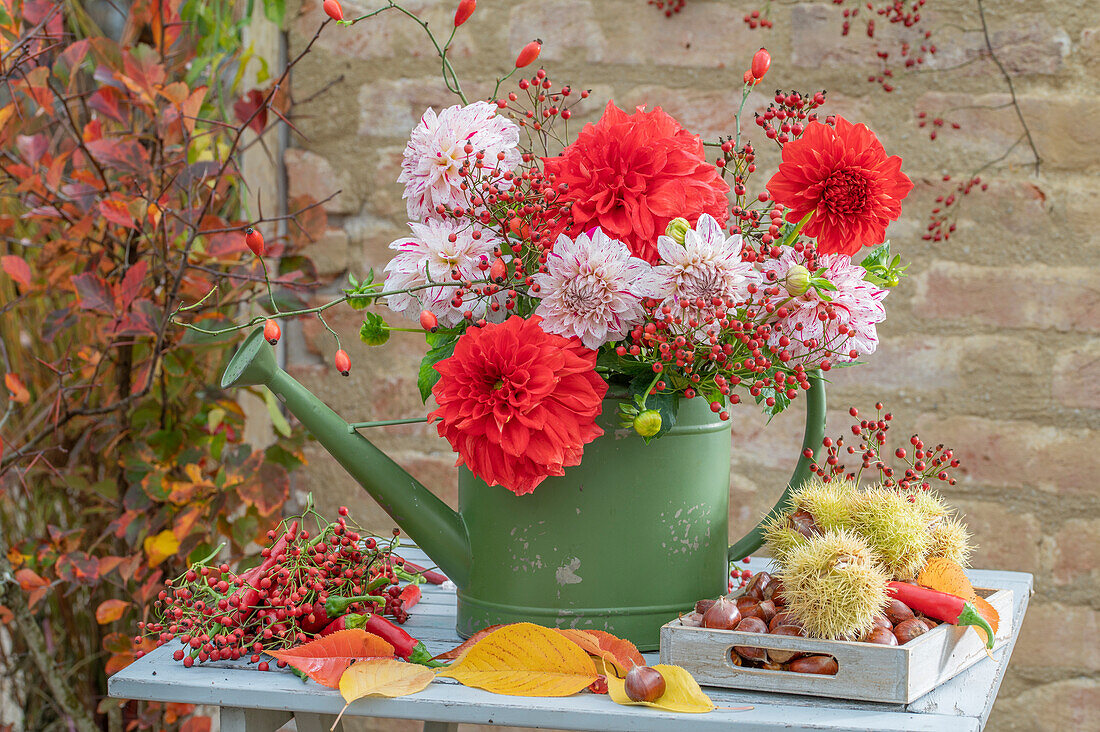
{"x":869,"y":672}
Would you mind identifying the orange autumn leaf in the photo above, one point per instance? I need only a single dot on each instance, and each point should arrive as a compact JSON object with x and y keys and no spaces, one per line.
{"x":460,"y":650}
{"x":524,"y":659}
{"x":602,"y":644}
{"x":110,"y":611}
{"x":947,"y":576}
{"x":19,"y":393}
{"x":32,"y":584}
{"x":324,"y":660}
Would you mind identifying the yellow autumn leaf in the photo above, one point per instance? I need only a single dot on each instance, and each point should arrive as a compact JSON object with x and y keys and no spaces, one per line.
{"x":947,"y":576}
{"x":160,"y":547}
{"x":524,"y":659}
{"x":682,"y":692}
{"x":383,"y":677}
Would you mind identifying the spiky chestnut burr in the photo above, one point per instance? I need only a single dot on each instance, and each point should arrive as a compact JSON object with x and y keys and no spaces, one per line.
{"x":782,"y":535}
{"x":949,"y":538}
{"x":833,"y":586}
{"x":895,"y":530}
{"x":829,"y":503}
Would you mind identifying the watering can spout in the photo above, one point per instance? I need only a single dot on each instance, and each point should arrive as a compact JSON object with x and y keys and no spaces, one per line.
{"x":431,"y":523}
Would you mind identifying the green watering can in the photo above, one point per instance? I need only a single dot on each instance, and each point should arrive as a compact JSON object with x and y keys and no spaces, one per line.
{"x":623,"y":542}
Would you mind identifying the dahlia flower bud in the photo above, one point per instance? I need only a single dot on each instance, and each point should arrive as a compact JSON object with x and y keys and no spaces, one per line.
{"x":797,"y":280}
{"x":677,"y":228}
{"x":648,"y":423}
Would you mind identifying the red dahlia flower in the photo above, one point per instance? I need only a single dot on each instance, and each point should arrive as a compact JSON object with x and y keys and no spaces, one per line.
{"x":517,"y":403}
{"x":632,"y":174}
{"x":843,"y":177}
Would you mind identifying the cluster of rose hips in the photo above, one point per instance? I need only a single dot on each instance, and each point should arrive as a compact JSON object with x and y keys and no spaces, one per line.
{"x":218,"y":614}
{"x":937,"y":122}
{"x":941,"y":224}
{"x":757,"y":19}
{"x":670,"y":7}
{"x":719,"y":346}
{"x":924,"y":465}
{"x":536,"y":107}
{"x":786,"y":117}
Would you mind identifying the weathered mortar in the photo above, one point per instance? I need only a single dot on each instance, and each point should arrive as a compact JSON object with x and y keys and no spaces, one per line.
{"x":991,"y":346}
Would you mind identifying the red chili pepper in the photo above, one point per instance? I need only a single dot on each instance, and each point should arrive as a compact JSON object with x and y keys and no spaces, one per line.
{"x":404,"y":645}
{"x":941,"y":606}
{"x":434,"y":578}
{"x":410,"y":595}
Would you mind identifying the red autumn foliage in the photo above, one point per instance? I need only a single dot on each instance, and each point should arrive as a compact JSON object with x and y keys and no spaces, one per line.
{"x":122,"y":199}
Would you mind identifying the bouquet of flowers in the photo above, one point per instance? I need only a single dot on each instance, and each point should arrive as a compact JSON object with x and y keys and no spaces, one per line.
{"x":550,"y":271}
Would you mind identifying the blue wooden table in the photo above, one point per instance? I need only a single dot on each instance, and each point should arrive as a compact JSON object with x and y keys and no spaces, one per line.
{"x":256,"y":701}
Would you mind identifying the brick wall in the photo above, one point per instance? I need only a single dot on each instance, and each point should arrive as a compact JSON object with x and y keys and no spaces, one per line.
{"x":991,"y":346}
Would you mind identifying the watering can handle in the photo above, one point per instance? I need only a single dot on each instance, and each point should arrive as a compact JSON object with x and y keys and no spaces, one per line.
{"x":815,"y":431}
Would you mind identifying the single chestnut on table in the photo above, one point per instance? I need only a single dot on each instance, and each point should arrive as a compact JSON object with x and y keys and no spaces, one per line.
{"x":644,"y":684}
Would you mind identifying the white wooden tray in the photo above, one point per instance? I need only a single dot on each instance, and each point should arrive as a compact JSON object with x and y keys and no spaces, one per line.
{"x":869,"y":672}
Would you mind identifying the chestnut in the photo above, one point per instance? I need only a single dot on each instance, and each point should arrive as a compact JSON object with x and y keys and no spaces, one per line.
{"x":644,"y":684}
{"x":751,"y":625}
{"x":691,"y":620}
{"x":881,"y":636}
{"x":824,"y":665}
{"x":803,"y":522}
{"x":764,"y":610}
{"x":722,"y":615}
{"x":780,"y":656}
{"x":701,"y":606}
{"x":907,"y":630}
{"x":758,"y":585}
{"x":881,"y":621}
{"x":782,"y":618}
{"x":774,"y":592}
{"x":897,"y":611}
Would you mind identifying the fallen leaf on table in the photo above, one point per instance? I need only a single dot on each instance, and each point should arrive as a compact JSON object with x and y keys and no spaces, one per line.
{"x":524,"y":659}
{"x":461,"y":649}
{"x":382,"y":677}
{"x":326,"y":659}
{"x":601,"y":644}
{"x":947,"y":576}
{"x":682,"y":692}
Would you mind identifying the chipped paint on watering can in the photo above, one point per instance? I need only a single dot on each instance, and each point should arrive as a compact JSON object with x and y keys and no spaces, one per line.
{"x":623,"y":542}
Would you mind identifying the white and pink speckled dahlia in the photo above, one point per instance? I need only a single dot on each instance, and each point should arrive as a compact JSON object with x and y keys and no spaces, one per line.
{"x":856,"y":307}
{"x":429,"y":252}
{"x":436,"y":152}
{"x":591,"y":289}
{"x":707,"y":265}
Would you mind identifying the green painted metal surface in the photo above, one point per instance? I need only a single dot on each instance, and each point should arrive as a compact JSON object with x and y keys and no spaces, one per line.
{"x":622,"y":542}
